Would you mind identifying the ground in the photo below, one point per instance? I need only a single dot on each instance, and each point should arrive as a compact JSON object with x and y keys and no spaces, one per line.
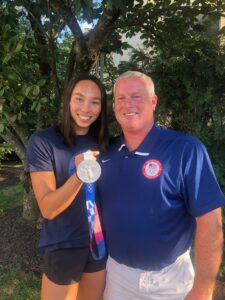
{"x":19,"y":238}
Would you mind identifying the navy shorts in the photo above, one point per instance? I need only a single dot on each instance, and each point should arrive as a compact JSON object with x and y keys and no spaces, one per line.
{"x":65,"y":266}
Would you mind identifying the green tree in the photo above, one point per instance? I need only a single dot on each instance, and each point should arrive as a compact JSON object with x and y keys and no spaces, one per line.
{"x":189,"y":75}
{"x":43,"y":46}
{"x":188,"y":67}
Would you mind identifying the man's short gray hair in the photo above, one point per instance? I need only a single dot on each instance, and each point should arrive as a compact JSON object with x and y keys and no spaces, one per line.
{"x":136,"y":74}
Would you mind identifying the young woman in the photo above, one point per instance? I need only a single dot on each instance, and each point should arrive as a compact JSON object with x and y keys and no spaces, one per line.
{"x":69,"y":270}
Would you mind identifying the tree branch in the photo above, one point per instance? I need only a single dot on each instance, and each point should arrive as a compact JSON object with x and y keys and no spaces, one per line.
{"x":14,"y":142}
{"x":104,"y":26}
{"x":39,"y":33}
{"x":70,"y":64}
{"x":69,"y":18}
{"x":53,"y":55}
{"x":21,"y":132}
{"x":46,"y":40}
{"x":57,"y":33}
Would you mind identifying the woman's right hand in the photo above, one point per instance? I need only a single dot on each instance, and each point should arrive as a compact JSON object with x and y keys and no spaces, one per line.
{"x":80,"y":157}
{"x":51,"y":200}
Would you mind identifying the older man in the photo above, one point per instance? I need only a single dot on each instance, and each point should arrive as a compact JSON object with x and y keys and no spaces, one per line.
{"x":158,"y":189}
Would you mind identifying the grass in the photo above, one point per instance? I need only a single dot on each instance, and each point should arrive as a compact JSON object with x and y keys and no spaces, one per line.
{"x":15,"y":284}
{"x":11,"y":197}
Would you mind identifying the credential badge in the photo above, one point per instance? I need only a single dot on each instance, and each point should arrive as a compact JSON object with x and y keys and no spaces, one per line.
{"x":152,"y":168}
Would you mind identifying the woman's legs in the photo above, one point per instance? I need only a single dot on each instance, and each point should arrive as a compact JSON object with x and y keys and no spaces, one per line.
{"x":50,"y":290}
{"x":91,"y":286}
{"x":72,"y":274}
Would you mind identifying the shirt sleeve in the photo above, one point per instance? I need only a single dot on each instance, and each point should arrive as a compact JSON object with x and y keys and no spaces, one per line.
{"x":39,"y":154}
{"x":202,"y":192}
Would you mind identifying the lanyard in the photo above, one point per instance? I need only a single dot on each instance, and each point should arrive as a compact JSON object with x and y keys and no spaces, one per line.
{"x":95,"y":229}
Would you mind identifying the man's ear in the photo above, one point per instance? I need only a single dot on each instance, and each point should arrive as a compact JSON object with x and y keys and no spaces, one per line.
{"x":113,"y":105}
{"x":154,"y":101}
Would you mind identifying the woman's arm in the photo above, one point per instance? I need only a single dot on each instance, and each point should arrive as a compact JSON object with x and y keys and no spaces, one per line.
{"x":52,"y":201}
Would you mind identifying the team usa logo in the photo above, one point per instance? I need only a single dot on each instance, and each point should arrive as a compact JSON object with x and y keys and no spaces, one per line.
{"x":152,"y":169}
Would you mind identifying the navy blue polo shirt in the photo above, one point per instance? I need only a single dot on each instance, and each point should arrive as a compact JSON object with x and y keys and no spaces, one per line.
{"x":47,"y":152}
{"x":151,"y":196}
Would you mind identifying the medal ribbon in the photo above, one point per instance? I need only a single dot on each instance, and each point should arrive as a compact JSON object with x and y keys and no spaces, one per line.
{"x":94,"y":224}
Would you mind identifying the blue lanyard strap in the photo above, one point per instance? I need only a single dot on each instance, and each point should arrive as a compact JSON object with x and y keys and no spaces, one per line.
{"x":95,"y":230}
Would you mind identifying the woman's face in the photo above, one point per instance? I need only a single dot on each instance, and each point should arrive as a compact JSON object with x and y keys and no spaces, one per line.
{"x":85,"y":105}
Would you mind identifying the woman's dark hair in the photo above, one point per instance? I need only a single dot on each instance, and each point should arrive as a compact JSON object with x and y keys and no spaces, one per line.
{"x":98,"y":129}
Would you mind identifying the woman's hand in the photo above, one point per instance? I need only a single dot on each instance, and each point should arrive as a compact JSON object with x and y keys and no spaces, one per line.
{"x":51,"y":200}
{"x":80,"y":157}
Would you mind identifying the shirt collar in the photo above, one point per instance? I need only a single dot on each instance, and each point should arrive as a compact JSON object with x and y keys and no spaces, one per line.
{"x":146,"y":145}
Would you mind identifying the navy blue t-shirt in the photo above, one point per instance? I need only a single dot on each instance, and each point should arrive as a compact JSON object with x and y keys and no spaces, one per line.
{"x":151,"y":196}
{"x":47,"y":152}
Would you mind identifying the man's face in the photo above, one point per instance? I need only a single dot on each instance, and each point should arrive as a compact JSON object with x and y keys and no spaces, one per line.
{"x":134,"y":105}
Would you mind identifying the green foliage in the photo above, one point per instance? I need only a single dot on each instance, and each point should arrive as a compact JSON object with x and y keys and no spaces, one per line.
{"x":37,"y":47}
{"x":186,"y":60}
{"x":116,"y":3}
{"x":189,"y":75}
{"x":38,"y":54}
{"x":16,"y":284}
{"x":110,"y":74}
{"x":182,"y":53}
{"x":4,"y":149}
{"x":11,"y":197}
{"x":63,"y":49}
{"x":24,"y":87}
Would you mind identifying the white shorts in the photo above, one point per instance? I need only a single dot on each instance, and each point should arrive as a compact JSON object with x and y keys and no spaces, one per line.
{"x":171,"y":283}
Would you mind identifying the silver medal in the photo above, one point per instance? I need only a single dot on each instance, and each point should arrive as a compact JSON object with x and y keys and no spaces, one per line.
{"x":89,"y":169}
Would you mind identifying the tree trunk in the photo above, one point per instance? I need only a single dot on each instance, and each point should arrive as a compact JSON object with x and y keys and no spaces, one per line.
{"x":30,"y":207}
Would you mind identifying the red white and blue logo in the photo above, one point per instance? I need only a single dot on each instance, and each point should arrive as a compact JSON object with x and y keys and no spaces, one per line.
{"x":152,"y":169}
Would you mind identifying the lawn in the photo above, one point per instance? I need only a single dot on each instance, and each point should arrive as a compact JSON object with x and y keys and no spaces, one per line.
{"x":15,"y":283}
{"x":18,"y":284}
{"x":10,"y":197}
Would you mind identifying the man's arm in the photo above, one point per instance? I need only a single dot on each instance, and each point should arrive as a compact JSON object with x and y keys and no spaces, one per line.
{"x":208,"y":253}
